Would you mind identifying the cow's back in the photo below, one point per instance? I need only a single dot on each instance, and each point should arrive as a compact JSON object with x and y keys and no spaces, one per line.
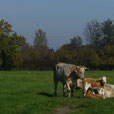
{"x":92,"y":82}
{"x":109,"y":90}
{"x":63,"y":71}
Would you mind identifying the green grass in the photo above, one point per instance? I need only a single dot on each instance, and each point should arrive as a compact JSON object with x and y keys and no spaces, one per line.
{"x":31,"y":92}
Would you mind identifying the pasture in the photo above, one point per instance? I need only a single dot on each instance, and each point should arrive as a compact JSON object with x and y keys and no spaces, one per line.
{"x":31,"y":92}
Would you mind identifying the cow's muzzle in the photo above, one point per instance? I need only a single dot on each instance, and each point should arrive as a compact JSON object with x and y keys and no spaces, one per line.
{"x":103,"y":82}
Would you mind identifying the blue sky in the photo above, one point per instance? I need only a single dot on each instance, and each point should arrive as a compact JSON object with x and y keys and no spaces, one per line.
{"x":60,"y":19}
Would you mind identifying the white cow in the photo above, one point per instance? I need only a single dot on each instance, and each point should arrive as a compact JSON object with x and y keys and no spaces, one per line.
{"x":68,"y":75}
{"x":108,"y":90}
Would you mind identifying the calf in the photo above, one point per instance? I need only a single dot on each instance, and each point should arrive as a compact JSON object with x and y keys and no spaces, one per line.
{"x":93,"y":93}
{"x":68,"y":75}
{"x":94,"y":83}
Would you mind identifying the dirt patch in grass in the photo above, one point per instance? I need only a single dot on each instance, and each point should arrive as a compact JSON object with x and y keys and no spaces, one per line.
{"x":63,"y":110}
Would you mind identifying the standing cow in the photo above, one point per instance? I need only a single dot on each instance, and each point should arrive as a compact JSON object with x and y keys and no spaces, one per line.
{"x":68,"y":75}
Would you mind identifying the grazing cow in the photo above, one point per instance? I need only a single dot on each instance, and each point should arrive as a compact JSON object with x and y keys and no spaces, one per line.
{"x":68,"y":75}
{"x":108,"y":90}
{"x":94,"y":83}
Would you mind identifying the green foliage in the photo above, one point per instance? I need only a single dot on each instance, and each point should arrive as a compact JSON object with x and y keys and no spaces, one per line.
{"x":37,"y":58}
{"x":98,"y":53}
{"x":10,"y":44}
{"x":5,"y":28}
{"x":90,"y":57}
{"x":93,"y":33}
{"x":76,"y":42}
{"x":40,"y":39}
{"x":15,"y":52}
{"x":108,"y":33}
{"x":99,"y":34}
{"x":64,"y":55}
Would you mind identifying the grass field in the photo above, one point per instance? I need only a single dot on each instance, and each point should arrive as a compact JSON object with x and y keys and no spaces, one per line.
{"x":31,"y":92}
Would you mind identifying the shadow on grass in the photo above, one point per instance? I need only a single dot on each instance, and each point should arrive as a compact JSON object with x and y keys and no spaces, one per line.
{"x":52,"y":95}
{"x":78,"y":97}
{"x":45,"y":94}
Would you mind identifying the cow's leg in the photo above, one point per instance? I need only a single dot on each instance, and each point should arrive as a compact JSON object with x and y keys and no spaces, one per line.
{"x":64,"y":86}
{"x":85,"y":92}
{"x":72,"y":92}
{"x":87,"y":86}
{"x":101,"y":92}
{"x":69,"y":89}
{"x":55,"y":87}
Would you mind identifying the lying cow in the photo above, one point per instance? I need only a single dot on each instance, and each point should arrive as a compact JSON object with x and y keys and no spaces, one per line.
{"x":108,"y":90}
{"x":93,"y":93}
{"x":94,"y":83}
{"x":68,"y":75}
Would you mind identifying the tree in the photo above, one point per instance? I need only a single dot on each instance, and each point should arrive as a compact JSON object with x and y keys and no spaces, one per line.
{"x":98,"y":34}
{"x":76,"y":42}
{"x":108,"y":33}
{"x":26,"y":52}
{"x":5,"y":28}
{"x":40,"y":39}
{"x":10,"y":44}
{"x":93,"y":33}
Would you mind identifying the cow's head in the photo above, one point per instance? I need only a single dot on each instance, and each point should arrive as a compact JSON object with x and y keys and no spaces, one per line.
{"x":80,"y":70}
{"x":104,"y":79}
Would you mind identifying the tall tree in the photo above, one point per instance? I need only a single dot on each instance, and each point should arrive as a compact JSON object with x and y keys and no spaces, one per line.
{"x":93,"y":33}
{"x":10,"y":44}
{"x":40,"y":39}
{"x":76,"y":42}
{"x":108,"y":33}
{"x":5,"y":28}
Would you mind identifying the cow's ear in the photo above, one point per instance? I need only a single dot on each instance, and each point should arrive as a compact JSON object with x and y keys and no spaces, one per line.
{"x":85,"y":68}
{"x":76,"y":69}
{"x":107,"y":78}
{"x":100,"y":78}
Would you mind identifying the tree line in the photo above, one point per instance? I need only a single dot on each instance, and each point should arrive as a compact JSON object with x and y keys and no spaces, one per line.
{"x":97,"y":53}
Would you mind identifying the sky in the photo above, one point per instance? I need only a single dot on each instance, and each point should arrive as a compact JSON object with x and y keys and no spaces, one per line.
{"x":60,"y":19}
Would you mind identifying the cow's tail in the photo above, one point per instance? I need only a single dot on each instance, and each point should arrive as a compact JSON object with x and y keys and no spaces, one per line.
{"x":54,"y":76}
{"x":55,"y":80}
